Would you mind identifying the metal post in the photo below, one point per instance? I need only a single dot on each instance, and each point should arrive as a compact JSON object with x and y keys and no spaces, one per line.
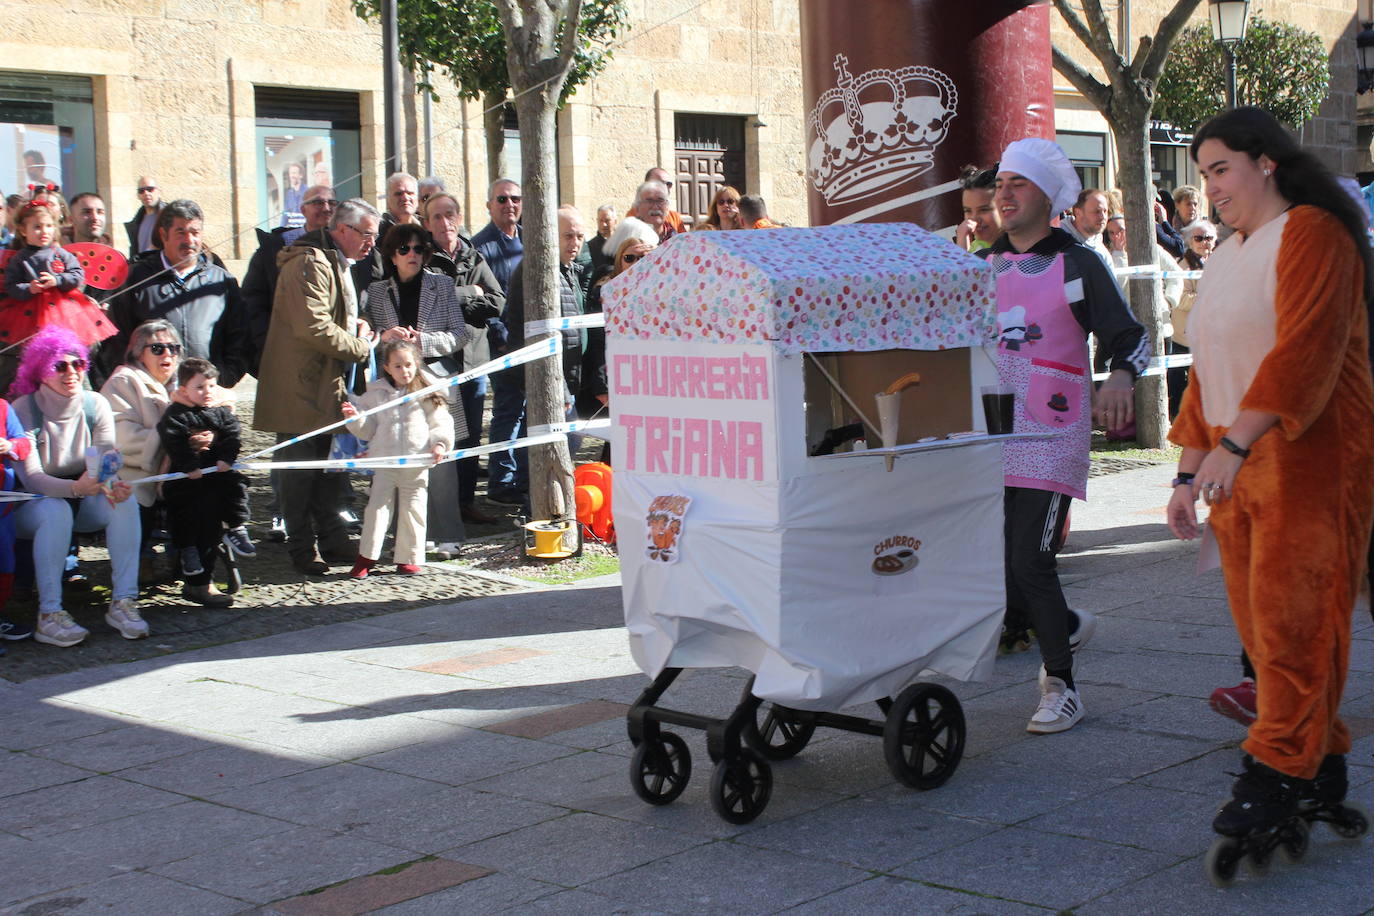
{"x":1230,"y":75}
{"x":391,"y":88}
{"x":429,"y":134}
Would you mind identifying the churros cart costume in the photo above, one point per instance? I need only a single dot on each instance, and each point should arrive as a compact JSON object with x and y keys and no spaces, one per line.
{"x":837,"y":579}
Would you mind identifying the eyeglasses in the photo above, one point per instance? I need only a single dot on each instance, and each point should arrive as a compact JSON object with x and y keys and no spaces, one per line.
{"x":631,"y":258}
{"x":419,"y":248}
{"x":660,"y":201}
{"x":370,"y":236}
{"x":508,"y":198}
{"x":159,"y":349}
{"x":146,"y":189}
{"x":1204,"y":238}
{"x":76,"y":365}
{"x":323,"y":201}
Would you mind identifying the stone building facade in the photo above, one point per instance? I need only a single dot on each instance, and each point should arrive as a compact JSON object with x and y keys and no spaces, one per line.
{"x":228,"y":101}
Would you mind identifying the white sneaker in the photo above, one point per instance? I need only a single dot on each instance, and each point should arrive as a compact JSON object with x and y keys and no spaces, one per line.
{"x":445,"y":551}
{"x":58,"y":629}
{"x":1087,"y":626}
{"x":1060,"y":708}
{"x":124,"y":617}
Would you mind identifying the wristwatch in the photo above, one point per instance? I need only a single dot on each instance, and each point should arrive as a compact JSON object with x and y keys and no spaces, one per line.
{"x":1183,"y":478}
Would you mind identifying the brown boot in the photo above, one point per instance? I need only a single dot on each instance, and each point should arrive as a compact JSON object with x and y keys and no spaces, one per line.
{"x":311,"y":563}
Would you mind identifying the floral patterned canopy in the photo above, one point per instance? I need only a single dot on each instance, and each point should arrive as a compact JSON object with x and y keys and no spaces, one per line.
{"x":865,"y":286}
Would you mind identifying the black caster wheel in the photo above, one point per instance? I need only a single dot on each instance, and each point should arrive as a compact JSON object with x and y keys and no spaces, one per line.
{"x":659,"y":770}
{"x":1222,"y":860}
{"x":777,"y":732}
{"x":923,"y":738}
{"x":1351,"y":821}
{"x":1259,"y":859}
{"x":740,"y":789}
{"x":1295,"y":841}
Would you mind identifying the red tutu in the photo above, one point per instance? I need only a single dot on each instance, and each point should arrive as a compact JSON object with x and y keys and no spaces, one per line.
{"x":77,"y":312}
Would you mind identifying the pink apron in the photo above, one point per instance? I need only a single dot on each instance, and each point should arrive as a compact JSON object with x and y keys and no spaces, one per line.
{"x":1042,"y":353}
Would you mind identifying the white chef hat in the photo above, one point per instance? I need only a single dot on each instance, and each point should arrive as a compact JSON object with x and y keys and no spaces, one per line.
{"x":1046,"y":165}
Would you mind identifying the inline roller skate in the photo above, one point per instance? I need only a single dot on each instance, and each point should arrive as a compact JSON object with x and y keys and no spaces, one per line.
{"x":1264,"y":815}
{"x":1324,"y":801}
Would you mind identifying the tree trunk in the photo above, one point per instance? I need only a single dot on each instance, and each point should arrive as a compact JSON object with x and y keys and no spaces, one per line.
{"x":538,"y":71}
{"x":1132,"y":131}
{"x":411,"y":155}
{"x":494,"y":120}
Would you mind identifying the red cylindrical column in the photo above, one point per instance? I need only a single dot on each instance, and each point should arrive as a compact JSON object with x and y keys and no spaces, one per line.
{"x":902,"y":94}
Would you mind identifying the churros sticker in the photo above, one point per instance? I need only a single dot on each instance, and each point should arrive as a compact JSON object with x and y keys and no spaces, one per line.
{"x":895,"y":555}
{"x":665,"y":521}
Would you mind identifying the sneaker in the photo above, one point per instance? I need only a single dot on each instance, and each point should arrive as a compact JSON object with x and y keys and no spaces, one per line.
{"x":190,"y":562}
{"x":361,"y":567}
{"x":1087,"y":626}
{"x":1060,"y":708}
{"x":123,"y":616}
{"x":58,"y":629}
{"x":10,"y":629}
{"x":1238,"y":702}
{"x":278,"y":532}
{"x":446,"y":550}
{"x":238,"y":542}
{"x":408,"y":569}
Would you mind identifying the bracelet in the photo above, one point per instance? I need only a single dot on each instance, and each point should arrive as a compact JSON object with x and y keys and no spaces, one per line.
{"x":1234,"y":449}
{"x":1184,"y":477}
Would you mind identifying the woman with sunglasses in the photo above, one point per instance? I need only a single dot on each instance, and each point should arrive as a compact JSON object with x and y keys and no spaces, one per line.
{"x":63,"y":421}
{"x":1201,"y":238}
{"x":629,"y":243}
{"x":422,"y":307}
{"x":139,"y":393}
{"x":724,"y":210}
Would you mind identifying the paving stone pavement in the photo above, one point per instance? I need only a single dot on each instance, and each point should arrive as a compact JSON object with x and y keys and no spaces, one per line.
{"x":472,"y":757}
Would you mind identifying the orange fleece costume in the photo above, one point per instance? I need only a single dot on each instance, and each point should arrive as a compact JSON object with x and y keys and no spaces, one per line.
{"x":1280,"y":326}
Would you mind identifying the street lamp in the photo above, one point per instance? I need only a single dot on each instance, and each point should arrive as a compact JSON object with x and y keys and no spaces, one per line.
{"x":1364,"y":48}
{"x":1228,"y":28}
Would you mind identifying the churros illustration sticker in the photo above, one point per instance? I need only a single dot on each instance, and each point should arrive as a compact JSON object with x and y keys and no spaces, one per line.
{"x":665,"y":522}
{"x":895,"y":555}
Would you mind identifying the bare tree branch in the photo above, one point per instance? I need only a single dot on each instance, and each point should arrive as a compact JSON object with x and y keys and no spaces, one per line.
{"x":568,"y":46}
{"x":1103,"y":45}
{"x":1082,"y":80}
{"x":1168,"y":30}
{"x":1075,"y":24}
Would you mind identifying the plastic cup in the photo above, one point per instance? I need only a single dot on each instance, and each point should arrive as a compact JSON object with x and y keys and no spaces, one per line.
{"x":998,"y":409}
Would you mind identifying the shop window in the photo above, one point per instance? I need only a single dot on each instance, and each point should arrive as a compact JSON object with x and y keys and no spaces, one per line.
{"x":304,"y":137}
{"x":47,"y":132}
{"x":1088,"y":153}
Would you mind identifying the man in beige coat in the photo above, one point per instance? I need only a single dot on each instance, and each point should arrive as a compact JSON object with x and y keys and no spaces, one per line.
{"x":314,"y":335}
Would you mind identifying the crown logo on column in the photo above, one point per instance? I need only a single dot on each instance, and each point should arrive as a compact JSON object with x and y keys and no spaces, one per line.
{"x":879,"y":129}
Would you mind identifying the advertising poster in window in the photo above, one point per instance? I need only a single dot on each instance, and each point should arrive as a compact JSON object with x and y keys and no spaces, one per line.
{"x":32,"y":154}
{"x":292,"y":162}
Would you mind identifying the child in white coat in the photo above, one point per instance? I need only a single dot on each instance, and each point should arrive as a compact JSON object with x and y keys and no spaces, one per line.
{"x":422,"y":425}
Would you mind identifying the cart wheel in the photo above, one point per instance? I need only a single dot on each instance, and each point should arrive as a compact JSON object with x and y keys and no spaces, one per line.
{"x":1222,"y":860}
{"x":923,"y":738}
{"x":777,"y":733}
{"x":659,"y":770}
{"x":740,"y":788}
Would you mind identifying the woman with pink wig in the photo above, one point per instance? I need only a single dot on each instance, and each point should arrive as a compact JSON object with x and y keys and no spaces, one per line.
{"x":63,"y":420}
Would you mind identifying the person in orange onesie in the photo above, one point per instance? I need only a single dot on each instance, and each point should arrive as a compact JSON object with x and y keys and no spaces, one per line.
{"x":1277,"y":432}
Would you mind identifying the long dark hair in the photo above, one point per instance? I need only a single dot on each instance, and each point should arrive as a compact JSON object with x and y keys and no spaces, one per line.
{"x":1302,"y":178}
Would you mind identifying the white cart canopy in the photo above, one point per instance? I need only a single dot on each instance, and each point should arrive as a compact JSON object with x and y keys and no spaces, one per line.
{"x":868,"y":286}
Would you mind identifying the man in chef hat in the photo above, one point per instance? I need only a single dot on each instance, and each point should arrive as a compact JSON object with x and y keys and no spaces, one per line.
{"x":1059,"y":292}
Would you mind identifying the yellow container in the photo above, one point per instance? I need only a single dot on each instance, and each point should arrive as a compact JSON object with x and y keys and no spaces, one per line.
{"x":544,"y":539}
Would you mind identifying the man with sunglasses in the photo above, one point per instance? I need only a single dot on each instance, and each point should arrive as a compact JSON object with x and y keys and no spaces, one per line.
{"x":140,"y":228}
{"x":500,"y":246}
{"x":314,"y":337}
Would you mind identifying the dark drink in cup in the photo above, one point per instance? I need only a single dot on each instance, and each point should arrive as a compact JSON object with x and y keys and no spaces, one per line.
{"x":998,"y":409}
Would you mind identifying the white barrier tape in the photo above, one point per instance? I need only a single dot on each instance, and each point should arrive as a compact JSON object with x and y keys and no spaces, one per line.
{"x":423,"y":460}
{"x":1158,"y":365}
{"x":570,"y":426}
{"x":16,"y":496}
{"x":519,"y":357}
{"x":566,"y":323}
{"x":1150,"y":270}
